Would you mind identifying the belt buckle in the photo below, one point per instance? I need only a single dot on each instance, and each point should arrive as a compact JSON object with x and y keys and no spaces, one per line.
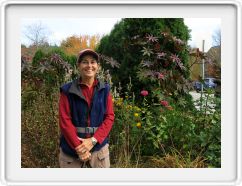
{"x":89,"y":130}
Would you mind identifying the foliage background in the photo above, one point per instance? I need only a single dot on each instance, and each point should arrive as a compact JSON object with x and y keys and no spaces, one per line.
{"x":157,"y":124}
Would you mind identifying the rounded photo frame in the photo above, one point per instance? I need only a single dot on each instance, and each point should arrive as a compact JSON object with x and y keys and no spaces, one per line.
{"x":12,"y":12}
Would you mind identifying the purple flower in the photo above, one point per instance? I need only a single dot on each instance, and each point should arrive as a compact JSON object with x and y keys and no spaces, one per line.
{"x":161,"y":54}
{"x":175,"y":58}
{"x":152,"y":38}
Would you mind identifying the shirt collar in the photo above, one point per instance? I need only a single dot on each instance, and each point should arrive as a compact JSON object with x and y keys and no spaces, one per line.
{"x":93,"y":85}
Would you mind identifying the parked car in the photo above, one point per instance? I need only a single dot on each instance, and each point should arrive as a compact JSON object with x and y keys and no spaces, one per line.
{"x":197,"y":86}
{"x":208,"y":83}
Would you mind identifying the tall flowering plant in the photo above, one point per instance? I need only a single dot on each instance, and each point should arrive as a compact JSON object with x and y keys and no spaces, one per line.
{"x":163,"y":66}
{"x":153,"y":121}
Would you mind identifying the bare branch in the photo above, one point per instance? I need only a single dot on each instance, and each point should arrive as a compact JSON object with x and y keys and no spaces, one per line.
{"x":37,"y":34}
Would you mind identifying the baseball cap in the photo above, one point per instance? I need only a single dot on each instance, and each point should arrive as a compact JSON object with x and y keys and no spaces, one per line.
{"x":87,"y":51}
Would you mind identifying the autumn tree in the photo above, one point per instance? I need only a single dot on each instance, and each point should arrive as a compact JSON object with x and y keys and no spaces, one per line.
{"x":73,"y":44}
{"x":93,"y":41}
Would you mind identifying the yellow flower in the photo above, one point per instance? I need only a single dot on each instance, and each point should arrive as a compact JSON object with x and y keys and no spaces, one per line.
{"x":138,"y":125}
{"x":129,"y":106}
{"x":136,"y":114}
{"x":137,"y":108}
{"x":118,"y":101}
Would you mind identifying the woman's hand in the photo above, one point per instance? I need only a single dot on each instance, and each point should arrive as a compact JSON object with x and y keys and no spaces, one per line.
{"x":85,"y":156}
{"x":83,"y":150}
{"x":86,"y":145}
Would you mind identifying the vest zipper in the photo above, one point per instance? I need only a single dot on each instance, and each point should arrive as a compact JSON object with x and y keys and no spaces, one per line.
{"x":90,"y":109}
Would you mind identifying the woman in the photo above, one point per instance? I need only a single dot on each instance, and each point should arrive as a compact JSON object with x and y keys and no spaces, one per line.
{"x":85,"y":116}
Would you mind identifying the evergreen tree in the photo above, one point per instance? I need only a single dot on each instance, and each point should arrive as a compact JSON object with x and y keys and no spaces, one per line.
{"x":119,"y":45}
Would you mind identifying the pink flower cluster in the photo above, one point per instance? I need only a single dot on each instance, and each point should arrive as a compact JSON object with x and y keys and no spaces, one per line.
{"x":166,"y":104}
{"x":144,"y":93}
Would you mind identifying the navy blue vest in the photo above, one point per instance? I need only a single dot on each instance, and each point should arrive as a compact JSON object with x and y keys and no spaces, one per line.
{"x":79,"y":110}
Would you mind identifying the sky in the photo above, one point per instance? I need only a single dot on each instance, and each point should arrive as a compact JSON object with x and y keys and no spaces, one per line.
{"x":59,"y":29}
{"x":202,"y":29}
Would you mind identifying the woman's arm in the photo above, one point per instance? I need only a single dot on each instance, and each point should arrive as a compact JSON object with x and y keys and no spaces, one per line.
{"x":67,"y":128}
{"x":104,"y":129}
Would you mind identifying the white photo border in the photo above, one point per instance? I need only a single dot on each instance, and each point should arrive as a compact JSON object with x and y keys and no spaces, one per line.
{"x":11,"y":174}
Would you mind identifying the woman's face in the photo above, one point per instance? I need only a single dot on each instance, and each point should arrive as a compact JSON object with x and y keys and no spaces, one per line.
{"x":88,"y":67}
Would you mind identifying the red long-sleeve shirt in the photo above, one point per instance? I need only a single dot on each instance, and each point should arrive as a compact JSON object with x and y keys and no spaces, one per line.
{"x":69,"y":130}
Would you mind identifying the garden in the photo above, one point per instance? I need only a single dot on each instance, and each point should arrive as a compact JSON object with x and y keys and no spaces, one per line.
{"x":146,"y":63}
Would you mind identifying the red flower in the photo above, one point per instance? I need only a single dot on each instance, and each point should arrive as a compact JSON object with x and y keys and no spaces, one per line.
{"x":144,"y":93}
{"x":164,"y":103}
